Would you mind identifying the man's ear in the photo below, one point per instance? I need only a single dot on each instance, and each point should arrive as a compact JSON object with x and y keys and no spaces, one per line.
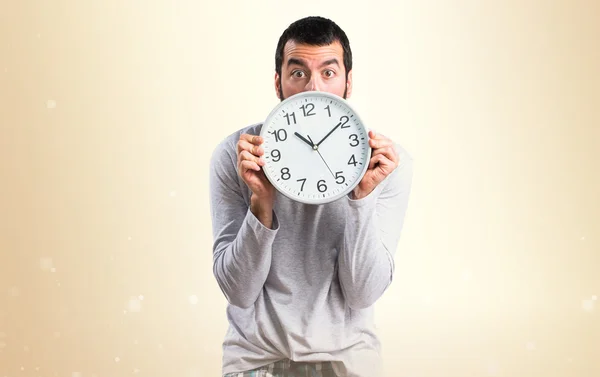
{"x":277,"y":85}
{"x":349,"y":84}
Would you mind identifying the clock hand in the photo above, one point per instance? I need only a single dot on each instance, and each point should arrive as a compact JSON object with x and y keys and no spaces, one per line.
{"x":325,"y":163}
{"x":330,"y":132}
{"x":306,"y":141}
{"x":317,"y":149}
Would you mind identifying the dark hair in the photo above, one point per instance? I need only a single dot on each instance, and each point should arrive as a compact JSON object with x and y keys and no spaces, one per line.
{"x":316,"y":31}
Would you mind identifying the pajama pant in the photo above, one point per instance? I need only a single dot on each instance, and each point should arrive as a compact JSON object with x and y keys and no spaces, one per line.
{"x":288,"y":368}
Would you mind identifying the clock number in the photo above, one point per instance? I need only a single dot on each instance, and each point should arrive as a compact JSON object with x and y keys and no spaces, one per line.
{"x":346,"y":121}
{"x":306,"y":109}
{"x":287,"y":116}
{"x":352,"y":161}
{"x":285,"y":174}
{"x":303,"y":182}
{"x":354,"y":138}
{"x":328,"y":111}
{"x":276,"y":155}
{"x":280,"y":135}
{"x":338,"y":176}
{"x":321,"y":186}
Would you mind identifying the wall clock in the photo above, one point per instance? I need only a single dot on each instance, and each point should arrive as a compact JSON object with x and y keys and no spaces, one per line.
{"x":316,"y":147}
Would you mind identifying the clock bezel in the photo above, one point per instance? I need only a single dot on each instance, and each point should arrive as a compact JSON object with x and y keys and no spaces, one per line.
{"x":316,"y":94}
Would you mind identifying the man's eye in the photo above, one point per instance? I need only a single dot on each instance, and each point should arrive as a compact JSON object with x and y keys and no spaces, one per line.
{"x":298,"y":74}
{"x":329,"y":73}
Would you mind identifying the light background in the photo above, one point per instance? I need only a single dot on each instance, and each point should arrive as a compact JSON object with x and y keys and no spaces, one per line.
{"x":109,"y":111}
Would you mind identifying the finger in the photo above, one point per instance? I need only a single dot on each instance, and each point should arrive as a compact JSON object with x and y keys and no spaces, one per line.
{"x":254,"y":149}
{"x":389,"y":152}
{"x":249,"y":165}
{"x":375,"y":160}
{"x":376,"y":135}
{"x":380,"y":143}
{"x":246,"y":140}
{"x":253,"y":139}
{"x":245,"y":155}
{"x":383,"y":162}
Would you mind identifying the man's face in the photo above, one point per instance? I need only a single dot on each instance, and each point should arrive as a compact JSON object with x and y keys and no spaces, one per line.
{"x":306,"y":67}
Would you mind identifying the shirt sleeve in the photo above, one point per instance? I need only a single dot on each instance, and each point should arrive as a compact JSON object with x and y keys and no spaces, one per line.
{"x":371,"y":234}
{"x":242,"y":244}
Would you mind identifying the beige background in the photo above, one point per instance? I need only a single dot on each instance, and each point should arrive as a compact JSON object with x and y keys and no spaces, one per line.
{"x":109,"y":111}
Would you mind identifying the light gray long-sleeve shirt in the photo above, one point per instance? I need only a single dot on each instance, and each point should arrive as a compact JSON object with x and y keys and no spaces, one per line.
{"x":305,"y":289}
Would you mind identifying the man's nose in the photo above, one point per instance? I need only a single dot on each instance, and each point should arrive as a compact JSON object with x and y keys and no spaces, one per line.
{"x":313,"y":84}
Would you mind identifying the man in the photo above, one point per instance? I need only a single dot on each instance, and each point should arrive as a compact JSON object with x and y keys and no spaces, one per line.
{"x":301,"y":280}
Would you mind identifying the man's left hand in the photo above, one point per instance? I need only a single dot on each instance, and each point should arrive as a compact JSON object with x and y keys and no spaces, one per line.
{"x":384,"y":159}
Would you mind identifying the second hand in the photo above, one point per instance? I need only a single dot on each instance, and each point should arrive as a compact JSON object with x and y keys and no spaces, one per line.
{"x":322,"y":158}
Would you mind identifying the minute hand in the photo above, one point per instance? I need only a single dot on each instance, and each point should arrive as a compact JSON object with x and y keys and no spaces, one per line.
{"x":330,"y":132}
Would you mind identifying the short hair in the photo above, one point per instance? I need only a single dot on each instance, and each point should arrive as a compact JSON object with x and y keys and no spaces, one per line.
{"x":316,"y":31}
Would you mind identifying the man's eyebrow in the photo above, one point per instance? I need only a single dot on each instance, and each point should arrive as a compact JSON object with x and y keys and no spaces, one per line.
{"x":296,"y":61}
{"x":301,"y":62}
{"x":330,"y":61}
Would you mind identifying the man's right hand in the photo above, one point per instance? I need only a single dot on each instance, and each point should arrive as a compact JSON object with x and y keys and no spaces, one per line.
{"x":250,"y":161}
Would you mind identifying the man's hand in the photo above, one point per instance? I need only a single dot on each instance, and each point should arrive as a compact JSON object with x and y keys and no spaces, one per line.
{"x":249,"y":163}
{"x":384,"y":159}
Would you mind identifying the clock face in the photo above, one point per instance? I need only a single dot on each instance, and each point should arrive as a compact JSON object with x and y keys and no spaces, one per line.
{"x":316,"y":147}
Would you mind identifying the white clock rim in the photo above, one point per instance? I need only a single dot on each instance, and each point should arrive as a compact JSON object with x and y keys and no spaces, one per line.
{"x":350,"y":188}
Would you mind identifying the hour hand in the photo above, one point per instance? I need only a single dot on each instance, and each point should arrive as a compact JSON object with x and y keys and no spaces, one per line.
{"x":310,"y":143}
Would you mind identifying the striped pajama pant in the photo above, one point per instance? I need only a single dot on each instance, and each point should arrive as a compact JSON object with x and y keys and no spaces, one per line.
{"x":288,"y":368}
